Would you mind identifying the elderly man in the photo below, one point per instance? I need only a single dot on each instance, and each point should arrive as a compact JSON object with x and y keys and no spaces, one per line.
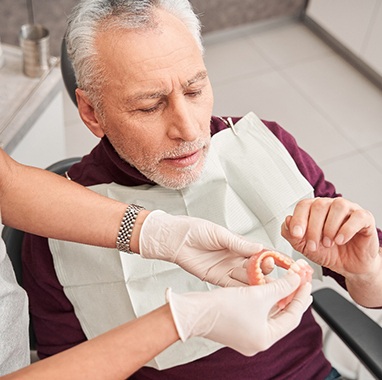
{"x":143,"y":89}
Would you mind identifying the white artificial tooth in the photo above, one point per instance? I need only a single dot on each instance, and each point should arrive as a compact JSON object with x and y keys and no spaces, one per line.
{"x":295,"y":267}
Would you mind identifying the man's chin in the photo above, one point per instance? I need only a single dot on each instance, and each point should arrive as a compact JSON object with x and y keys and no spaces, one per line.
{"x":176,"y":183}
{"x":176,"y":180}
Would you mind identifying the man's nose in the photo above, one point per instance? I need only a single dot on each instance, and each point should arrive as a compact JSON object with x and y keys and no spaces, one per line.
{"x":183,"y":122}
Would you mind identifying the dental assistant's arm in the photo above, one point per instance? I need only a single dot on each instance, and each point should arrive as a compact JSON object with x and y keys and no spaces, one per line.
{"x":46,"y":204}
{"x":114,"y":355}
{"x":230,"y":316}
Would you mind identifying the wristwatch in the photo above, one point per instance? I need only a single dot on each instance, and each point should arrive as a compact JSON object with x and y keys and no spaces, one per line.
{"x":126,"y":228}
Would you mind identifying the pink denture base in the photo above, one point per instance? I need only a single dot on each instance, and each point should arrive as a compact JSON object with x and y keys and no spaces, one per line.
{"x":257,"y":277}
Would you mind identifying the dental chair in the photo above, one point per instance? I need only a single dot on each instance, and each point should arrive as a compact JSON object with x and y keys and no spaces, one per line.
{"x":361,"y":334}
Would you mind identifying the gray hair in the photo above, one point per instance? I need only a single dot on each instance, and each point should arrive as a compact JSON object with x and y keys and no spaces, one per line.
{"x":91,"y":16}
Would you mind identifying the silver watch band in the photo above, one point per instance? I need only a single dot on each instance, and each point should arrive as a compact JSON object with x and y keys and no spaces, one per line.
{"x":126,"y":228}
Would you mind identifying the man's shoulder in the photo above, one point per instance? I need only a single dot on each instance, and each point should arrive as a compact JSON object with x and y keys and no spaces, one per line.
{"x":92,"y":169}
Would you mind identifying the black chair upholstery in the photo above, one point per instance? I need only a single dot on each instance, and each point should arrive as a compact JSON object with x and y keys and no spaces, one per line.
{"x":360,"y":333}
{"x":62,"y":166}
{"x":13,"y":239}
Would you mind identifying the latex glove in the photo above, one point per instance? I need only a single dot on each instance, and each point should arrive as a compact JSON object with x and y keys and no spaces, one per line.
{"x":203,"y":248}
{"x":241,"y":317}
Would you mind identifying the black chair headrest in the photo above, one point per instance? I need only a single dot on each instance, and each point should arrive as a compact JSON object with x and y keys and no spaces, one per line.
{"x":68,"y":73}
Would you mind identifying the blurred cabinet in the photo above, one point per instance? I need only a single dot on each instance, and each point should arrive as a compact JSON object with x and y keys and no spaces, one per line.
{"x":357,"y":25}
{"x":31,"y":112}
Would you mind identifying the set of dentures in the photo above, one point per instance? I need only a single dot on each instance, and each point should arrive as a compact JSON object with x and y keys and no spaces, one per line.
{"x":257,"y":277}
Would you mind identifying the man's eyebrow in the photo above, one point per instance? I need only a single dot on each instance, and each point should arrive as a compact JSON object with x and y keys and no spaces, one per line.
{"x":199,"y":76}
{"x":159,"y":94}
{"x":144,"y":96}
{"x":148,"y":95}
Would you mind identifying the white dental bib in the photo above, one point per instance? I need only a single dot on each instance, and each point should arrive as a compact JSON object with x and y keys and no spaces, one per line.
{"x":249,"y":184}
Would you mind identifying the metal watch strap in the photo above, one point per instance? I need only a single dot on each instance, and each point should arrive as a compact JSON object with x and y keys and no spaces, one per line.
{"x":126,"y":228}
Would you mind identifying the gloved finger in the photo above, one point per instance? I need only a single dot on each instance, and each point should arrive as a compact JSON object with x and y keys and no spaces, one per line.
{"x":237,"y":277}
{"x":231,"y":282}
{"x":301,"y":300}
{"x":289,"y":318}
{"x":282,"y":287}
{"x":240,"y":276}
{"x":267,"y":265}
{"x":215,"y":277}
{"x":244,"y":247}
{"x":236,"y":243}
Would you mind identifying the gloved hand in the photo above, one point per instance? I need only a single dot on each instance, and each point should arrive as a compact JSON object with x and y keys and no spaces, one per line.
{"x":241,"y":317}
{"x":202,"y":248}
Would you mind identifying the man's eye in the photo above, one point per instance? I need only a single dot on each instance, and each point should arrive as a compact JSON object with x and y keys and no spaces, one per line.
{"x":194,"y":93}
{"x":151,"y":109}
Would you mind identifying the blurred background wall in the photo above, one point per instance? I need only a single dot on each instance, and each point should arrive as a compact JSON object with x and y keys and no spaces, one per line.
{"x":215,"y":15}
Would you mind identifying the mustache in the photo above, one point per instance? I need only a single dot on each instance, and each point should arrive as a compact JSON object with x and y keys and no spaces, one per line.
{"x":185,"y":148}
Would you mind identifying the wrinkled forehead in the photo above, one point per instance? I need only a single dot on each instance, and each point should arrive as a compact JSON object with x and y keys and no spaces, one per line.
{"x":142,"y":56}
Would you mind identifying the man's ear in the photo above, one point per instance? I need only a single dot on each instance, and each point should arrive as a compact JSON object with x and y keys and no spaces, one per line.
{"x":88,"y":114}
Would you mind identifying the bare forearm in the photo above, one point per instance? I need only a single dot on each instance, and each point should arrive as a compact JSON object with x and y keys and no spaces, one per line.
{"x":367,"y":290}
{"x":46,"y":204}
{"x":113,"y":355}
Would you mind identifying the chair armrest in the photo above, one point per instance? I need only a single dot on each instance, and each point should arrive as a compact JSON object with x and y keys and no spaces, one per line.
{"x":360,"y":333}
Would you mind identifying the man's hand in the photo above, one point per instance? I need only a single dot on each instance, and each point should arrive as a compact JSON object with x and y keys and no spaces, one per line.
{"x":241,"y":317}
{"x":340,"y":235}
{"x":202,"y":248}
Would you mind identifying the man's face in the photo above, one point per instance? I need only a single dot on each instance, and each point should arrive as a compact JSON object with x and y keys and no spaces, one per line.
{"x":157,"y":101}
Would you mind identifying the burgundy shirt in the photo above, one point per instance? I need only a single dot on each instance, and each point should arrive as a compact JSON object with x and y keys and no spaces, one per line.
{"x":297,"y":356}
